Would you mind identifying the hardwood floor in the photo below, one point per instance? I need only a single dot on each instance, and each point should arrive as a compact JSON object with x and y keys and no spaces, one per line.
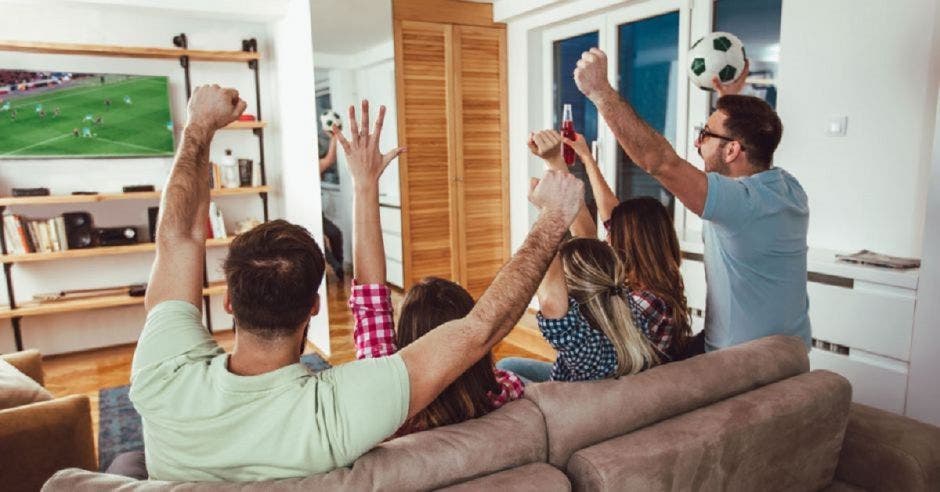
{"x":87,"y":372}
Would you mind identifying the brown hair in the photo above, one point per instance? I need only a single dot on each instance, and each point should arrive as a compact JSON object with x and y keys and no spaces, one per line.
{"x":642,"y":234}
{"x":595,"y":279}
{"x":273,"y":273}
{"x":429,"y":304}
{"x":752,"y":122}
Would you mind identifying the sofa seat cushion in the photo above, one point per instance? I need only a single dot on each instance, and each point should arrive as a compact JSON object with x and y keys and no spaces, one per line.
{"x":534,"y":477}
{"x":578,"y":415}
{"x":17,"y":389}
{"x":507,"y":438}
{"x":783,"y":436}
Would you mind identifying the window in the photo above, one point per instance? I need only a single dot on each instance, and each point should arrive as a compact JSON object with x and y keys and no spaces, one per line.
{"x":566,"y":54}
{"x":757,"y":24}
{"x":647,"y":52}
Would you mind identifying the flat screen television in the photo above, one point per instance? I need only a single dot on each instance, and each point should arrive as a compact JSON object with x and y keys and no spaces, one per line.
{"x":66,"y":114}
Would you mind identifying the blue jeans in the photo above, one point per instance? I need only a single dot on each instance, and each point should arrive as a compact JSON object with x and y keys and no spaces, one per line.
{"x":529,"y":370}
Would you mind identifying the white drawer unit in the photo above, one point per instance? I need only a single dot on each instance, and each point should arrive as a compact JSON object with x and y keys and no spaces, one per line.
{"x":391,"y":219}
{"x":878,"y":382}
{"x":392,"y":244}
{"x":395,"y":273}
{"x":862,"y":318}
{"x":871,"y":317}
{"x":693,"y":276}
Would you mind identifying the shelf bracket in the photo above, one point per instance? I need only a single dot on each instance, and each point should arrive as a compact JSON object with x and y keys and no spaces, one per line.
{"x":264,"y":203}
{"x":180,"y":41}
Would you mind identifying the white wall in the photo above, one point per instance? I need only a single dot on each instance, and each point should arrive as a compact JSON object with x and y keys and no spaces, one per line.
{"x":870,"y":61}
{"x":77,"y":23}
{"x":868,"y":189}
{"x":923,"y":397}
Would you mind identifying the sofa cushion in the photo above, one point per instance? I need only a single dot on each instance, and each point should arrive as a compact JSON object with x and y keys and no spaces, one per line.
{"x":573,"y":411}
{"x":783,"y":436}
{"x":884,"y":451}
{"x":18,"y":389}
{"x":534,"y":477}
{"x":507,"y":438}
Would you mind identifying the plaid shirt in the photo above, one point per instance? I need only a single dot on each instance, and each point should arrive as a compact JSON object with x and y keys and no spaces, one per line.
{"x":374,"y":336}
{"x":651,"y":315}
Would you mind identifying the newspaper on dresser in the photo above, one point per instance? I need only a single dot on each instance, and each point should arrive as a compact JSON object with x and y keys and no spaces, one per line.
{"x":866,"y":257}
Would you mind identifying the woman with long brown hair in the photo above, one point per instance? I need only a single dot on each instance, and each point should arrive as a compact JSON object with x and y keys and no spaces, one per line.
{"x":642,"y":234}
{"x":644,"y":240}
{"x":429,"y":304}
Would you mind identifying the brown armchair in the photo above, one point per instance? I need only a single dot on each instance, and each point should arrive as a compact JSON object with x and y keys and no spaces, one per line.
{"x":39,"y":439}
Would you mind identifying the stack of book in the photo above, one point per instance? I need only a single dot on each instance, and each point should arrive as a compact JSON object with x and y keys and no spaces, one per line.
{"x":24,"y":235}
{"x":215,"y":225}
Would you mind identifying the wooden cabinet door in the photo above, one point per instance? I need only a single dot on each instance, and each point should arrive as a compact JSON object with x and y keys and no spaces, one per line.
{"x":482,"y":175}
{"x":423,"y":64}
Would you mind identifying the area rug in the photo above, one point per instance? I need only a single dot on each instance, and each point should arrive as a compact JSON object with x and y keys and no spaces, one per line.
{"x":120,"y":428}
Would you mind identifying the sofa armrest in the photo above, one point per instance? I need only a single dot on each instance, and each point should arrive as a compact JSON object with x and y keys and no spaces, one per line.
{"x":38,"y":439}
{"x":29,"y":362}
{"x":884,"y":451}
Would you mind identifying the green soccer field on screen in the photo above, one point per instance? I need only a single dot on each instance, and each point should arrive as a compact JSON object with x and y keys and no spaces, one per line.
{"x":63,"y":114}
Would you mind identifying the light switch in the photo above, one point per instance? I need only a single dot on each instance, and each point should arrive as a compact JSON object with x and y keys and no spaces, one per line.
{"x":837,"y":126}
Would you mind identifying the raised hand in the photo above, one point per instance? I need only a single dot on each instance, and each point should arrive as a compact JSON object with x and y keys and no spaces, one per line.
{"x":366,"y":162}
{"x":590,"y":75}
{"x":579,"y":145}
{"x":547,"y":145}
{"x":212,"y":107}
{"x":735,"y":86}
{"x":558,"y":192}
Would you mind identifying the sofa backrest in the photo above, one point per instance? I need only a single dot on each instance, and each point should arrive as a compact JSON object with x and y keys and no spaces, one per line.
{"x":580,"y":415}
{"x":783,"y":436}
{"x":507,"y":438}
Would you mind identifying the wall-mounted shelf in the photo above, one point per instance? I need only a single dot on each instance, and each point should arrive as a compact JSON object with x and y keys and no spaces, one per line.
{"x":245,"y":125}
{"x":99,"y":251}
{"x":128,"y":51}
{"x":185,"y":56}
{"x":106,"y":197}
{"x":34,"y":308}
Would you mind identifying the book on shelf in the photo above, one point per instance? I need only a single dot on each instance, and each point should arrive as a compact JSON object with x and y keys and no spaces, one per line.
{"x":24,"y":235}
{"x":215,"y":225}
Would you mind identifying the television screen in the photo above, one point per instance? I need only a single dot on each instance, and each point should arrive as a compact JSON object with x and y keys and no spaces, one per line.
{"x":64,"y":114}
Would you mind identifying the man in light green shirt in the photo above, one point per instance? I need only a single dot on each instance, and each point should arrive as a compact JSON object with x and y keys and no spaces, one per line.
{"x":258,"y":413}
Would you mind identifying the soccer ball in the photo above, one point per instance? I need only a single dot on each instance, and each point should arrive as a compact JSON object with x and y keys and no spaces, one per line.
{"x":718,"y":54}
{"x":328,"y":118}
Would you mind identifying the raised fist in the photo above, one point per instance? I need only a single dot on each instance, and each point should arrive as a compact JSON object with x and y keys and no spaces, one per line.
{"x":213,"y":107}
{"x":546,"y":144}
{"x":591,"y":73}
{"x":558,"y":192}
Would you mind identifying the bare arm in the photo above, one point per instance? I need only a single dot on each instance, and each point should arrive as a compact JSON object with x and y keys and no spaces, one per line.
{"x":605,"y":198}
{"x":181,"y":229}
{"x":647,"y":148}
{"x":330,"y":158}
{"x":546,"y":144}
{"x":366,"y":165}
{"x":553,"y":291}
{"x":435,"y":360}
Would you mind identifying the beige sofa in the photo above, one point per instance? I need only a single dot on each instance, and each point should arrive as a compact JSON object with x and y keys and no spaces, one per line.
{"x":38,"y":439}
{"x":750,"y":417}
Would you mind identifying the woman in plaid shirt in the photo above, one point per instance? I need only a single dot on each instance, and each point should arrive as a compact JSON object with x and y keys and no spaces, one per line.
{"x":641,"y":232}
{"x":642,"y":235}
{"x":429,"y":304}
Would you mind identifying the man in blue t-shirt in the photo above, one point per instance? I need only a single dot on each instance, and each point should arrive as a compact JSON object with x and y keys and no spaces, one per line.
{"x":755,"y":215}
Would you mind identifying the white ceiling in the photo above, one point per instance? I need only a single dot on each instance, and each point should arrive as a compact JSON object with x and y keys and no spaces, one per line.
{"x":349,"y":26}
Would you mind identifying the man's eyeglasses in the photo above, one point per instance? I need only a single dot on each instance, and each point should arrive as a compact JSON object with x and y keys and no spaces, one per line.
{"x":703,"y":132}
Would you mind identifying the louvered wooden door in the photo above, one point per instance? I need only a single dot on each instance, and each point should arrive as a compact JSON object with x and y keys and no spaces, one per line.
{"x":427,"y":170}
{"x":454,"y":178}
{"x":482,"y":173}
